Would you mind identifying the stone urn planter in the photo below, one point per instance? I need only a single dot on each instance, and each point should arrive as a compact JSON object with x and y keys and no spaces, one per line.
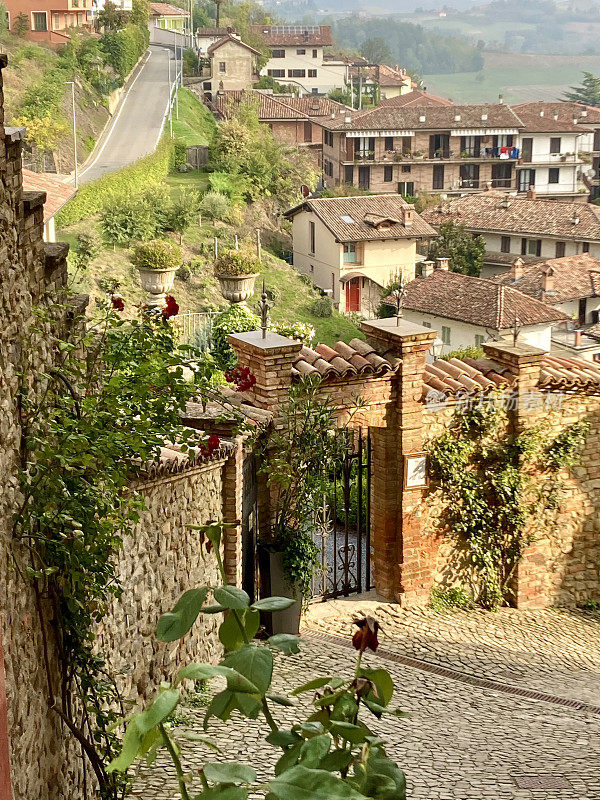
{"x":287,"y":621}
{"x":237,"y":288}
{"x":157,"y":283}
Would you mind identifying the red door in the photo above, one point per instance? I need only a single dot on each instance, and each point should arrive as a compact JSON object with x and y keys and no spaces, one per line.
{"x":353,"y":295}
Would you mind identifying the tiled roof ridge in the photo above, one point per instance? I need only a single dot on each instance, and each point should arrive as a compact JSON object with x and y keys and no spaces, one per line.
{"x":173,"y":461}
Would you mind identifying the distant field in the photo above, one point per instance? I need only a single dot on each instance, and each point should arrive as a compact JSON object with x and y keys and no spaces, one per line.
{"x":518,"y":77}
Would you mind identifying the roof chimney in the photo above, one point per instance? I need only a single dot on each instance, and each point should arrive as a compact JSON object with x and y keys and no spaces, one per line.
{"x":501,"y":99}
{"x":347,"y":119}
{"x":575,"y":120}
{"x":408,"y":215}
{"x":584,"y":112}
{"x":427,"y":268}
{"x":484,"y":117}
{"x":542,"y":113}
{"x":442,"y":263}
{"x":457,"y":118}
{"x":518,"y":268}
{"x":575,"y":218}
{"x":577,"y":340}
{"x":505,"y":202}
{"x":555,"y":115}
{"x":531,"y":195}
{"x":548,"y":280}
{"x":421,"y":117}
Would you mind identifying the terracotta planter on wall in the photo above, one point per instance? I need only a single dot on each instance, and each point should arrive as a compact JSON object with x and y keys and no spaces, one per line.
{"x":237,"y":288}
{"x":157,"y":282}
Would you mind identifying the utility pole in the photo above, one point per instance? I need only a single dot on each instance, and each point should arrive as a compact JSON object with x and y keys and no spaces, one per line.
{"x":170,"y":97}
{"x":360,"y":84}
{"x":72,"y":84}
{"x":351,"y":92}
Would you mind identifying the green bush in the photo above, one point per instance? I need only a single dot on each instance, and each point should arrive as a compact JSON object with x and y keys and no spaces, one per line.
{"x":123,"y":221}
{"x":217,"y":206}
{"x":464,"y":352}
{"x":184,"y":211}
{"x":237,"y":262}
{"x":179,"y":155}
{"x":124,"y":48}
{"x":300,"y":331}
{"x":125,"y":183}
{"x":157,"y":254}
{"x":446,"y":599}
{"x":322,"y":307}
{"x":235,"y":187}
{"x":235,"y":319}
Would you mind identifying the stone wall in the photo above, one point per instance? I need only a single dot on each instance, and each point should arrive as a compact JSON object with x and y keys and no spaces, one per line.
{"x":161,"y":560}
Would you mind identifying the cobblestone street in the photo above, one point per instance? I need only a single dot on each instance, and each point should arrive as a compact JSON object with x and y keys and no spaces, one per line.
{"x":461,"y":741}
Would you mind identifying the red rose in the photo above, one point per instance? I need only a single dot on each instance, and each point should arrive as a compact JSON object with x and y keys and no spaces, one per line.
{"x":117,"y":302}
{"x":366,"y":635}
{"x":213,"y":442}
{"x":171,"y":308}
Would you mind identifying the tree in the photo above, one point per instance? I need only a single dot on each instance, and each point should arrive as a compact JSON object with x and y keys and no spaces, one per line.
{"x":140,"y":13}
{"x":464,"y":250}
{"x":184,"y":212}
{"x":111,"y":18}
{"x":376,"y":51}
{"x":588,"y":92}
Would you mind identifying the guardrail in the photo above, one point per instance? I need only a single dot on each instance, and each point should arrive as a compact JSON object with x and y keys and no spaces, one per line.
{"x":196,"y":328}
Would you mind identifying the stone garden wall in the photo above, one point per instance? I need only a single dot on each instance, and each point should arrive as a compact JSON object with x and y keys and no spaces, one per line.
{"x":160,"y":560}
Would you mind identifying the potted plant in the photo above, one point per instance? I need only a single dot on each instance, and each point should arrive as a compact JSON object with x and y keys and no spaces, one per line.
{"x":236,"y":271}
{"x":157,"y":262}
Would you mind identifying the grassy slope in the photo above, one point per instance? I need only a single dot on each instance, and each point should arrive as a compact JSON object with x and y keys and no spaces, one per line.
{"x":195,"y":124}
{"x":518,"y":76}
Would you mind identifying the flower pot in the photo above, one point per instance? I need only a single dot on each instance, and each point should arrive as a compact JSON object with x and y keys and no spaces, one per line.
{"x":237,"y":288}
{"x":287,"y":621}
{"x":157,"y":282}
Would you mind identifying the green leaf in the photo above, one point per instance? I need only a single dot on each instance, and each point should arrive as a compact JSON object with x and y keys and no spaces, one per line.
{"x":274,"y":603}
{"x":159,"y":710}
{"x":356,"y":734}
{"x":204,"y":672}
{"x":289,"y":758}
{"x":313,"y":750}
{"x":286,"y":642}
{"x":132,"y":739}
{"x":280,"y":700}
{"x":214,"y":609}
{"x":302,"y":783}
{"x":231,"y":597}
{"x":191,"y":736}
{"x":383,"y":682}
{"x":337,"y":760}
{"x":316,"y":683}
{"x":175,"y":624}
{"x":255,"y":663}
{"x":226,"y":792}
{"x":230,"y":634}
{"x":310,"y":729}
{"x":329,"y":698}
{"x":229,"y":773}
{"x":283,"y":738}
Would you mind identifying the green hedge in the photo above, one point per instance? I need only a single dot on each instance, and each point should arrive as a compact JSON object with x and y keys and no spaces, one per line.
{"x":129,"y":181}
{"x":123,"y":48}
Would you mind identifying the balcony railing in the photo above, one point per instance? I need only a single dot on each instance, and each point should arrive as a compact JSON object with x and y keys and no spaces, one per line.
{"x":550,"y":158}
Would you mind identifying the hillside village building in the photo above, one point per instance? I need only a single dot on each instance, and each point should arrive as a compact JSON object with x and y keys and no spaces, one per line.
{"x":453,"y":150}
{"x":352,"y":247}
{"x":572,"y":285}
{"x":293,"y":120}
{"x":297,"y":57}
{"x":51,"y":20}
{"x":529,"y":227}
{"x":230,"y":65}
{"x":468,"y":311}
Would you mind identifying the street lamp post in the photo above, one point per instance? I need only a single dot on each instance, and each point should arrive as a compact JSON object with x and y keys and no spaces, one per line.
{"x":72,"y":84}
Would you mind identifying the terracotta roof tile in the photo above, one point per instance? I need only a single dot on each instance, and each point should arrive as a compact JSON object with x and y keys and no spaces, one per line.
{"x":57,"y":192}
{"x":540,"y":115}
{"x":415,"y":98}
{"x":573,"y":277}
{"x":272,"y":107}
{"x":230,"y":38}
{"x":450,"y":294}
{"x":493,"y":211}
{"x":167,"y":10}
{"x":350,"y":219}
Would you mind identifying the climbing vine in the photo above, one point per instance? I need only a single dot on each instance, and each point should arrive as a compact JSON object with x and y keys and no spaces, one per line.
{"x":495,"y":483}
{"x":112,"y":399}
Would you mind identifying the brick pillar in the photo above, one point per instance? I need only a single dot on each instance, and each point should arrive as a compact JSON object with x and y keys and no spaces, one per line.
{"x":270,"y":360}
{"x":233,"y":484}
{"x":403,"y":561}
{"x":524,"y":362}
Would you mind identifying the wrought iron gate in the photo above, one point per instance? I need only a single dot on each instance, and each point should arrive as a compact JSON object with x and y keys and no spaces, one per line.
{"x":341,"y":528}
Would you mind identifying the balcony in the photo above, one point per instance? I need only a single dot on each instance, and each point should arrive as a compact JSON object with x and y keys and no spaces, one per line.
{"x":549,"y":158}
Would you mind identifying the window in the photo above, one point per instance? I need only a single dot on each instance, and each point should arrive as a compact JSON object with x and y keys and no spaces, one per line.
{"x":301,"y":52}
{"x":55,"y":21}
{"x":315,"y":53}
{"x":308,"y":131}
{"x":469,"y":176}
{"x":276,"y":73}
{"x":479,"y":339}
{"x":526,"y":179}
{"x":350,"y":254}
{"x":585,"y":247}
{"x":426,"y":324}
{"x":560,"y":250}
{"x":405,"y":168}
{"x":501,"y":176}
{"x":278,"y":53}
{"x":364,"y":147}
{"x":333,"y":283}
{"x":312,"y":73}
{"x":328,"y":167}
{"x":531,"y":247}
{"x":312,"y":269}
{"x":296,"y":73}
{"x":222,"y":66}
{"x":349,"y":174}
{"x":553,"y":175}
{"x":311,"y":234}
{"x":39,"y":20}
{"x":388,"y":143}
{"x":388,"y":173}
{"x":505,"y":244}
{"x":445,"y":334}
{"x":328,"y":137}
{"x":314,"y":90}
{"x":555,"y":144}
{"x":75,"y":3}
{"x":438,"y":176}
{"x":406,"y":188}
